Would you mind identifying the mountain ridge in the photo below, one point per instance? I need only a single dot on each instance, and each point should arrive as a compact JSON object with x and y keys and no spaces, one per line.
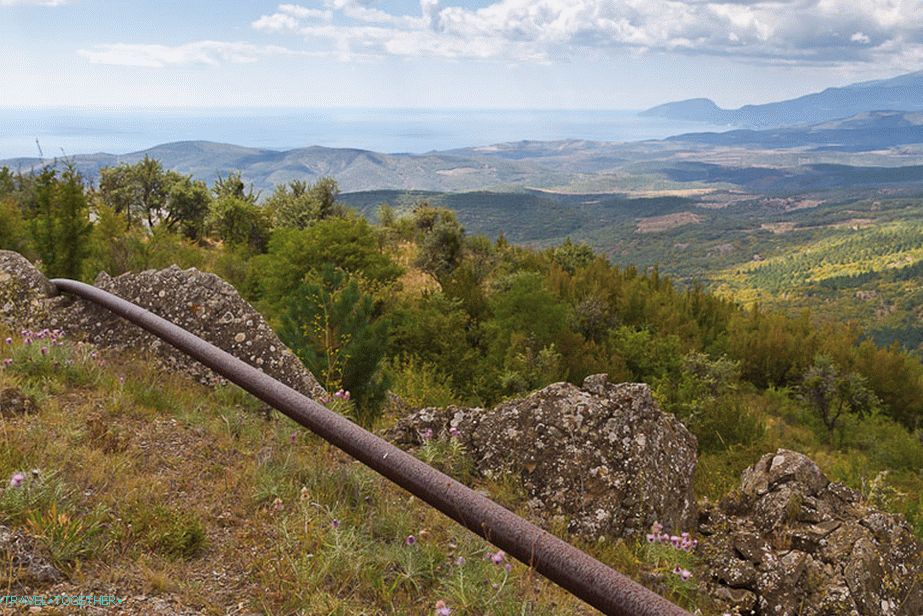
{"x":903,"y":93}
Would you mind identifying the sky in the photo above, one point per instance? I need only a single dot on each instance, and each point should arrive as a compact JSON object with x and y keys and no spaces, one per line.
{"x":513,"y":54}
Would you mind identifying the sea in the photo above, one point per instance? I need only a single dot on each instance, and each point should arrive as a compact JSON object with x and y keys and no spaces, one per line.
{"x":70,"y":131}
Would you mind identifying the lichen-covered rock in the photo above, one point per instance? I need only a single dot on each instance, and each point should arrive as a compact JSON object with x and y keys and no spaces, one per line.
{"x":25,"y":566}
{"x":602,"y":455}
{"x":201,"y":303}
{"x":791,"y":542}
{"x":24,"y":292}
{"x":13,"y":401}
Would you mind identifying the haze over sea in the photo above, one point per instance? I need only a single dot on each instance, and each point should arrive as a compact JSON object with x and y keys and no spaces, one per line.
{"x":85,"y":131}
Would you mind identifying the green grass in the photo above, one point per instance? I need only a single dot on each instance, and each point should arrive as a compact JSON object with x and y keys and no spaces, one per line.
{"x":148,"y":483}
{"x":159,"y":490}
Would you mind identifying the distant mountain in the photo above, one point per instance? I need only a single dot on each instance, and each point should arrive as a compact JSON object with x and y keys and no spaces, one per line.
{"x":694,"y":109}
{"x":769,"y":157}
{"x":874,"y":130}
{"x":354,"y":169}
{"x":902,"y":93}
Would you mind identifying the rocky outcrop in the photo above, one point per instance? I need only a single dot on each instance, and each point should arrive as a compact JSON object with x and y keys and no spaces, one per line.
{"x":24,"y":292}
{"x":791,"y":542}
{"x":26,"y":567}
{"x":602,"y":455}
{"x":201,"y":303}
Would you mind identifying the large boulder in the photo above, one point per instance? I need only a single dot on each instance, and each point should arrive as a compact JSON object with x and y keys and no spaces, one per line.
{"x":791,"y":542}
{"x":603,"y":456}
{"x":24,"y":292}
{"x":201,"y":303}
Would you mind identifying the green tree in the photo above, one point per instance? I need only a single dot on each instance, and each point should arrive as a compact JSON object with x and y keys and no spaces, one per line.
{"x":298,"y":204}
{"x":830,"y":393}
{"x":187,"y":206}
{"x":146,"y":192}
{"x":137,"y":190}
{"x":346,"y":244}
{"x":14,"y":232}
{"x":441,"y":240}
{"x":571,"y":257}
{"x":113,"y":248}
{"x":239,"y":222}
{"x":73,"y":225}
{"x":60,"y":224}
{"x":330,"y":324}
{"x":233,"y":185}
{"x":436,"y":330}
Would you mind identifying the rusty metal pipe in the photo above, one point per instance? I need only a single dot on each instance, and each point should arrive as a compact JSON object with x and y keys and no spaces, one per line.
{"x":575,"y":571}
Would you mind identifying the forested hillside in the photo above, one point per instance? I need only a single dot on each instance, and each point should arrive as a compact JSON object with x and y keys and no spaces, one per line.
{"x":415,"y":305}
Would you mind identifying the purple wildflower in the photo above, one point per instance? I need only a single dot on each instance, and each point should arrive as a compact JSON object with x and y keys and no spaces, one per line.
{"x":442,"y":609}
{"x":498,"y":557}
{"x":44,"y":350}
{"x":508,"y":567}
{"x":454,"y":432}
{"x":293,"y":438}
{"x":460,"y":561}
{"x":16,"y":480}
{"x":410,"y":540}
{"x":9,"y":341}
{"x":335,"y":523}
{"x":685,"y":574}
{"x":8,"y":361}
{"x":427,"y":434}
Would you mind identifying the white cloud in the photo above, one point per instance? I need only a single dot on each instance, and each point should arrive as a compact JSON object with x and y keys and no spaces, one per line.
{"x":197,"y":52}
{"x":823,"y":32}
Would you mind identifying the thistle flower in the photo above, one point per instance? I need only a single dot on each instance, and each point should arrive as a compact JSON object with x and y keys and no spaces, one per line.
{"x":8,"y":361}
{"x":16,"y":480}
{"x":498,"y":557}
{"x":9,"y":340}
{"x":508,"y":567}
{"x":427,"y":434}
{"x":335,"y":523}
{"x":454,"y":432}
{"x":442,"y":609}
{"x":410,"y":540}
